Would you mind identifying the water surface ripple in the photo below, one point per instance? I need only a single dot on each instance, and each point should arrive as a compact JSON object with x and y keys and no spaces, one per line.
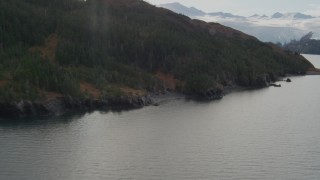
{"x":271,"y":133}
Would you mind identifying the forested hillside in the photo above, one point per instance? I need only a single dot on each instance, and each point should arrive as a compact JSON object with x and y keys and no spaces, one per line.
{"x":106,"y":48}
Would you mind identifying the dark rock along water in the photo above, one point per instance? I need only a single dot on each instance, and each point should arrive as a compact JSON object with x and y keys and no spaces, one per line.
{"x":271,"y":133}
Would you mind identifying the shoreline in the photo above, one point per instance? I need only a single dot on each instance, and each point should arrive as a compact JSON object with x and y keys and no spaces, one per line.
{"x":312,"y":73}
{"x":65,"y":105}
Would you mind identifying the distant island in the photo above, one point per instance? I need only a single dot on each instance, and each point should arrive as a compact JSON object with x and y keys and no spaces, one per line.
{"x":63,"y":55}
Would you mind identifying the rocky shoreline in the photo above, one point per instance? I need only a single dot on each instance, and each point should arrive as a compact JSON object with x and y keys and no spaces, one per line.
{"x":62,"y":105}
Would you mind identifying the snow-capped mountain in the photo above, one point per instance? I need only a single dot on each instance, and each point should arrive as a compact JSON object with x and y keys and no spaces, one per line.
{"x":181,"y":9}
{"x":279,"y":27}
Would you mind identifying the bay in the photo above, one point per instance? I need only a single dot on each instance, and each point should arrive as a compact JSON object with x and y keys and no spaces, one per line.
{"x":270,"y":133}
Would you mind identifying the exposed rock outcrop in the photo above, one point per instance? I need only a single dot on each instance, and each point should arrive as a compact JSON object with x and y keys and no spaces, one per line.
{"x":275,"y":85}
{"x":62,"y":105}
{"x":213,"y":94}
{"x":262,"y":81}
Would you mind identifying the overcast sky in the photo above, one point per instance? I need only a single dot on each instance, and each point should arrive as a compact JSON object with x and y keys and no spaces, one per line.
{"x":250,"y":7}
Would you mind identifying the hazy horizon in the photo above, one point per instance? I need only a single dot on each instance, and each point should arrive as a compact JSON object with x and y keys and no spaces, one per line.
{"x":250,"y":7}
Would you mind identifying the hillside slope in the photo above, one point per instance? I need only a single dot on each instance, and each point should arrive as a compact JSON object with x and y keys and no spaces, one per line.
{"x":100,"y":49}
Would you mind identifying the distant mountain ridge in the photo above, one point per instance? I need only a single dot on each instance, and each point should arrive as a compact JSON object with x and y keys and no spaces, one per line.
{"x":225,"y":15}
{"x":181,"y":9}
{"x":305,"y":45}
{"x":278,"y":27}
{"x":292,"y":15}
{"x":192,"y":11}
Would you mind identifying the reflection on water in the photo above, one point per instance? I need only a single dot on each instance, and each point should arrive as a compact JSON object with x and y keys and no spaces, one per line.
{"x":271,"y":133}
{"x":41,"y":121}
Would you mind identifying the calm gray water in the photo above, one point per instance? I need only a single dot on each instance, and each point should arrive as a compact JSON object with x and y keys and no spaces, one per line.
{"x":271,"y":133}
{"x":314,"y":59}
